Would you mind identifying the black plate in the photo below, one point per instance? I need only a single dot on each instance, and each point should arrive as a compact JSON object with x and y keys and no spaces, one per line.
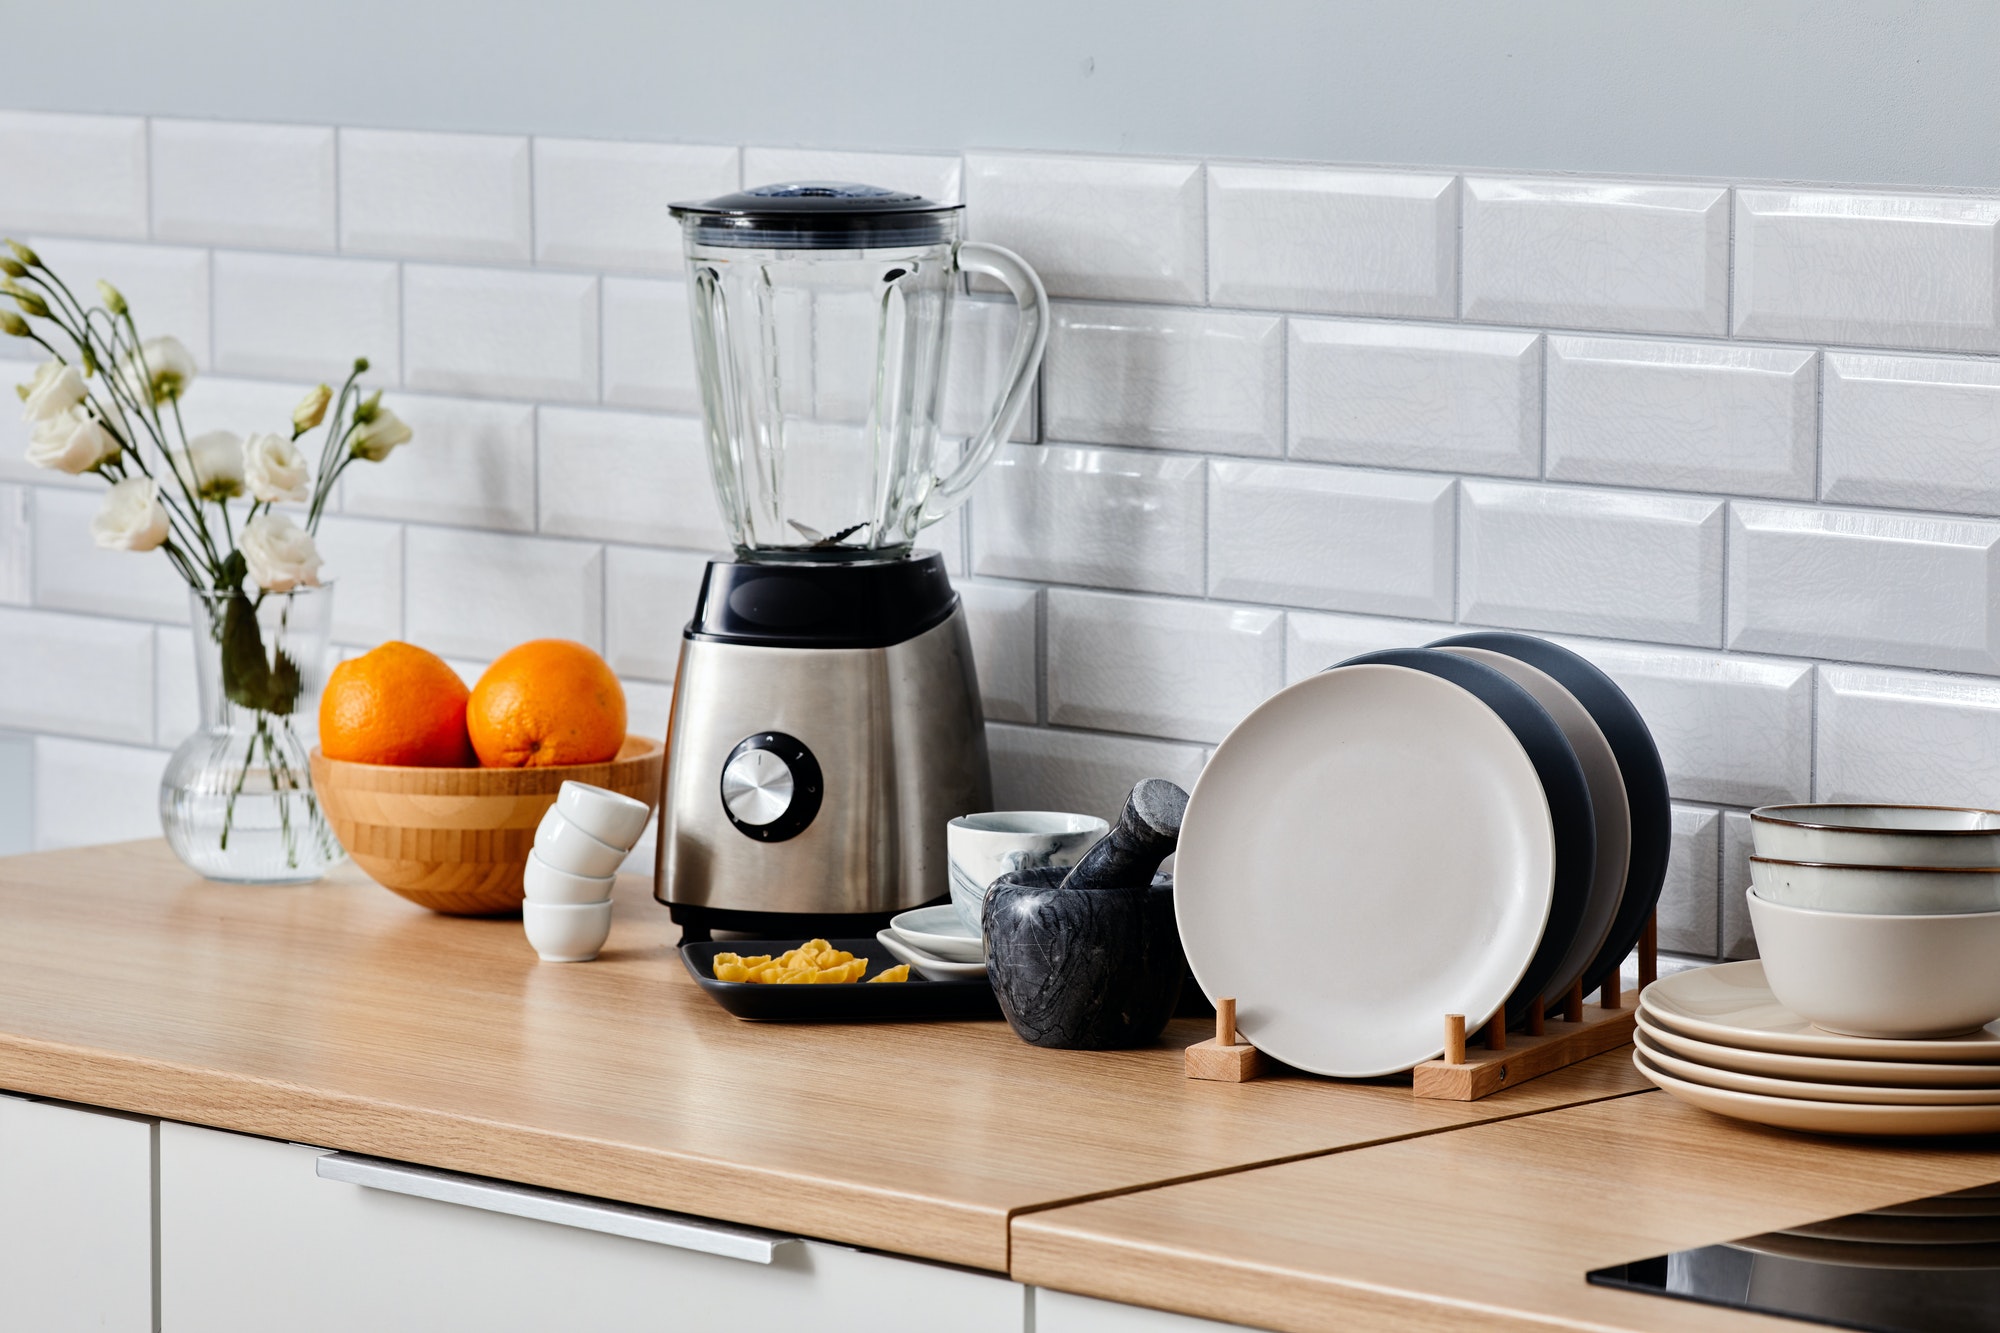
{"x":1570,"y":811}
{"x":1638,"y":763}
{"x":918,"y":997}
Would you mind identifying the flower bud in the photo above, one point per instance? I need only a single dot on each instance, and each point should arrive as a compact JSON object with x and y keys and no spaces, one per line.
{"x":311,"y":409}
{"x":28,"y":301}
{"x":12,"y":268}
{"x":114,"y":300}
{"x":366,"y":409}
{"x":361,"y":365}
{"x":13,"y":325}
{"x":24,"y":254}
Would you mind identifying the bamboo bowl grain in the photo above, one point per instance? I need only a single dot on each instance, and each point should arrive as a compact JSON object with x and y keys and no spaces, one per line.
{"x":456,"y":840}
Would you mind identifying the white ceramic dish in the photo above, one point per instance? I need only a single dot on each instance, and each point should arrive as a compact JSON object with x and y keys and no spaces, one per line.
{"x":608,"y":816}
{"x":1818,"y":1068}
{"x":1368,"y":851}
{"x":983,"y":847}
{"x":937,"y":969}
{"x":546,"y":884}
{"x":939,"y":932}
{"x":567,"y":847}
{"x":1824,"y":1117}
{"x":1880,"y":890}
{"x":1860,"y":1094}
{"x":1871,"y":975}
{"x":1732,"y":1004}
{"x":567,"y":932}
{"x":1878,"y":835}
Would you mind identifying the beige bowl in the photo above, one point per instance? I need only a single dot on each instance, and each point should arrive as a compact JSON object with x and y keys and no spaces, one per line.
{"x":456,"y":840}
{"x":1892,"y":890}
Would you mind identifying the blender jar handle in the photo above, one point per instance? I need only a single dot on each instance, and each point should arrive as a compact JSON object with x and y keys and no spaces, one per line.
{"x":1030,"y":337}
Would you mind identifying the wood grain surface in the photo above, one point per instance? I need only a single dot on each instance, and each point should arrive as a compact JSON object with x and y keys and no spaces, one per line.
{"x":1492,"y":1226}
{"x":337,"y":1014}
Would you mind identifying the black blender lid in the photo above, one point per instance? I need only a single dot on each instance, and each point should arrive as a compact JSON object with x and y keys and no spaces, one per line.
{"x":819,"y":215}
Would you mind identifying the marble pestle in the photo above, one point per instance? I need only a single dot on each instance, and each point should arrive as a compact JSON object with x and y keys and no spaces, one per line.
{"x":1145,"y":835}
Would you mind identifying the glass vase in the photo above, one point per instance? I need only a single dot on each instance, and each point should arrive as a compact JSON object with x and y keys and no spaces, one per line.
{"x":237,"y":801}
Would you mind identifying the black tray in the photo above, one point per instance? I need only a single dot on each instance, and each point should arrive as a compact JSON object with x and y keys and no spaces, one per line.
{"x":918,"y":997}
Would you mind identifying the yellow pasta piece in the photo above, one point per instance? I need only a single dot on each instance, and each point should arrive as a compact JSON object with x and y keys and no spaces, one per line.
{"x":900,"y":972}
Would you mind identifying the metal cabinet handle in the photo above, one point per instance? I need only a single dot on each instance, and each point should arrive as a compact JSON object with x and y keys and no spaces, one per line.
{"x":570,"y":1210}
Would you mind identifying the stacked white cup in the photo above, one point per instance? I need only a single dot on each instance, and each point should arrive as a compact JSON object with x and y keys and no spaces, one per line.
{"x":579,"y":845}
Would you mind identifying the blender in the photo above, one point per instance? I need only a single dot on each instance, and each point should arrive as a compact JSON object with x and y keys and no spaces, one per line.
{"x":826,"y":721}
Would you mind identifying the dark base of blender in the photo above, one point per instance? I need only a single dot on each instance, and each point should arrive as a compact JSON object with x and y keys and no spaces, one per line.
{"x":699,"y":924}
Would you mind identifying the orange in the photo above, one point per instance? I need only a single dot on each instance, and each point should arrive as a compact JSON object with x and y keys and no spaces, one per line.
{"x":395,"y":705}
{"x":547,"y":701}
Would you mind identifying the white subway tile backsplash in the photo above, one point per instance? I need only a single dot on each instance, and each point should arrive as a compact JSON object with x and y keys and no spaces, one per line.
{"x":1181,"y":670}
{"x":935,"y":176}
{"x":1900,"y":589}
{"x":648,"y":705}
{"x":78,"y":175}
{"x":87,"y":792}
{"x":434,"y":196}
{"x":1004,"y":620}
{"x":509,"y":335}
{"x":1119,"y":229}
{"x":1315,"y":641}
{"x":624,"y":477}
{"x":649,"y":599}
{"x":73,"y":573}
{"x":476,"y":594}
{"x":1738,"y":939}
{"x":1907,"y":737}
{"x":244,"y":407}
{"x":1171,"y":379}
{"x":1597,"y":254}
{"x":176,"y":702}
{"x":1683,"y":416}
{"x":1345,"y":242}
{"x":1688,"y":900}
{"x":1894,"y":270}
{"x":1397,"y":395}
{"x":263,"y":186}
{"x":17,"y":540}
{"x":467,"y":463}
{"x":1332,"y":538}
{"x":165,"y":286}
{"x":649,"y":347}
{"x":604,"y":205}
{"x":1915,"y":432}
{"x":982,"y":339}
{"x":364,"y":561}
{"x":76,"y":674}
{"x":301,"y":318}
{"x":1107,"y":517}
{"x":1040,"y":768}
{"x":1609,"y":563}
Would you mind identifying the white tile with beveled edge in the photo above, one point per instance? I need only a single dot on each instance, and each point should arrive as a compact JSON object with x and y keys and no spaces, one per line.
{"x":1120,"y":229}
{"x":1040,"y":768}
{"x":1862,"y":586}
{"x":649,"y":599}
{"x":364,"y":562}
{"x":73,"y":573}
{"x":1596,"y":254}
{"x":468,"y":463}
{"x":1730,"y":729}
{"x":176,"y":697}
{"x":603,"y":204}
{"x":218,"y":182}
{"x":1335,"y":539}
{"x":165,"y":287}
{"x":75,"y":175}
{"x":982,"y":340}
{"x":477,"y":594}
{"x":1316,"y":640}
{"x":83,"y":675}
{"x":252,"y":407}
{"x":1170,"y":379}
{"x":1888,"y":269}
{"x":1917,"y":432}
{"x":1004,"y":621}
{"x":628,"y":477}
{"x":1683,"y":416}
{"x":1738,"y":939}
{"x":649,"y":346}
{"x":1181,"y":670}
{"x":17,"y":539}
{"x":1689,"y":899}
{"x":422,"y":195}
{"x":1340,"y":242}
{"x":1907,"y":737}
{"x":1614,"y":563}
{"x":935,"y":176}
{"x":1107,"y":517}
{"x":510,"y":335}
{"x":648,"y":706}
{"x":88,"y":792}
{"x":304,"y":318}
{"x":1414,"y":395}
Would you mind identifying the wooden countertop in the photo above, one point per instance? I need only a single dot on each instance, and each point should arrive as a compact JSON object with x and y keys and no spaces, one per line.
{"x":340,"y":1015}
{"x":1488,"y":1227}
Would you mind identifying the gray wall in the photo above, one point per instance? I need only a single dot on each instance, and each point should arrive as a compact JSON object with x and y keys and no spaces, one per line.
{"x":1858,"y":91}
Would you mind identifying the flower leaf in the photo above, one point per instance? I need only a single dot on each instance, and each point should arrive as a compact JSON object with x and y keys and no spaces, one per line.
{"x":246,"y":674}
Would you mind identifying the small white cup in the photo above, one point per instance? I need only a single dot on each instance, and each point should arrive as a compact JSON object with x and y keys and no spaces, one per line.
{"x":567,"y":932}
{"x":983,"y":847}
{"x":547,"y":885}
{"x":567,"y":847}
{"x":605,"y":815}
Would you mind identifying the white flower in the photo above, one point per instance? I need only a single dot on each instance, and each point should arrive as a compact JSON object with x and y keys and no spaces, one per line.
{"x":212,"y":465}
{"x":54,"y":390}
{"x":132,"y":518}
{"x":279,"y":552}
{"x":275,"y":470}
{"x":74,"y":442}
{"x":169,"y":369}
{"x":374,"y":438}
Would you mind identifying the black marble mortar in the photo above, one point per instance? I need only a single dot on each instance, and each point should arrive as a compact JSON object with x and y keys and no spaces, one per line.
{"x":1083,"y":969}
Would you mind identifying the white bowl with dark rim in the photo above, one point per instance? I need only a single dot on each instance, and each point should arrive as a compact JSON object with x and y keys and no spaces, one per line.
{"x":1878,"y":835}
{"x":1879,"y":890}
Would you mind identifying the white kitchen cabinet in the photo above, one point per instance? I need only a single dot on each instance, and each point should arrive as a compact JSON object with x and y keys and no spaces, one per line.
{"x":1060,"y":1312}
{"x":252,"y":1239}
{"x":76,"y":1219}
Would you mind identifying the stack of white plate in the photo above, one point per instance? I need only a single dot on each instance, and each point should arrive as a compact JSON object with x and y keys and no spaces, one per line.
{"x":935,"y":942}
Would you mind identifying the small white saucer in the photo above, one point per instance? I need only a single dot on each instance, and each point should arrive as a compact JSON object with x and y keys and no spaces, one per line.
{"x":937,"y":969}
{"x":939,"y":933}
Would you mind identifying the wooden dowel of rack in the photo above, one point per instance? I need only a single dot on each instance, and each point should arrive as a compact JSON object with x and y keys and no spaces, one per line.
{"x":1537,"y":1018}
{"x":1573,"y":1002}
{"x":1649,"y":952}
{"x":1224,"y":1058}
{"x":1496,"y":1030}
{"x":1611,"y":994}
{"x":1225,"y":1021}
{"x":1454,"y":1039}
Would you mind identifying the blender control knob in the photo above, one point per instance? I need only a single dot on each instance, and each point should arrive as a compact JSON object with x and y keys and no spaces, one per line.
{"x":770,"y":786}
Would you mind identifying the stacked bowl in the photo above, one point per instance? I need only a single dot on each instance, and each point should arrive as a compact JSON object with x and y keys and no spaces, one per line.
{"x":579,"y":845}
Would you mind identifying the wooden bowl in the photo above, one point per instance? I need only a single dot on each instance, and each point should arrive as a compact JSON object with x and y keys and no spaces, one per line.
{"x":456,"y":840}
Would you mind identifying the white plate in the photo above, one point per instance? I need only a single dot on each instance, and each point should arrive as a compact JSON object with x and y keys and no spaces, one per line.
{"x":1825,"y":1117}
{"x":1368,"y":851}
{"x":1807,"y":1090}
{"x":939,"y":933}
{"x":1821,"y":1069}
{"x":937,"y":969}
{"x":1731,"y":1004}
